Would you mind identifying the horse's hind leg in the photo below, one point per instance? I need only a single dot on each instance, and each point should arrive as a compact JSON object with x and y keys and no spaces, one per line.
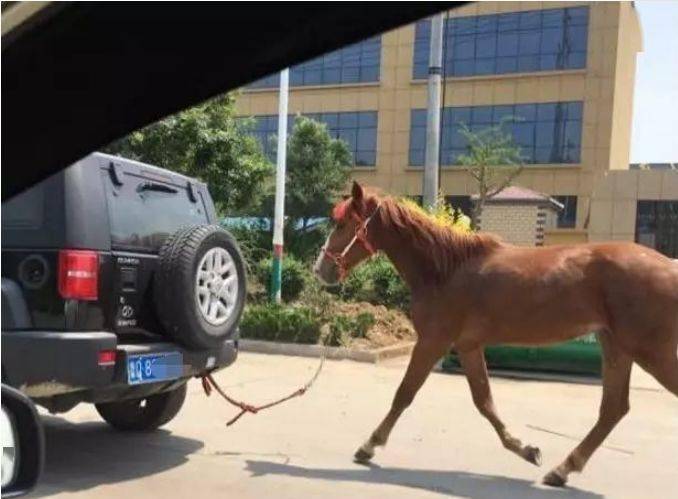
{"x":662,"y":364}
{"x":473,"y":363}
{"x":424,"y":357}
{"x":614,"y":406}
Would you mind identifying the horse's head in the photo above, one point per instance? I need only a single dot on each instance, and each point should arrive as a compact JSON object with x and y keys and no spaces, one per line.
{"x":347,"y":245}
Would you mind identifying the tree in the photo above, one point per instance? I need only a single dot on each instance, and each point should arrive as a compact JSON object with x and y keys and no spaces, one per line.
{"x":493,"y":160}
{"x":318,"y":168}
{"x":204,"y":141}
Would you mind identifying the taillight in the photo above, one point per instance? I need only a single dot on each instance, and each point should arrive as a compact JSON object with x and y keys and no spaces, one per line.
{"x":78,"y":274}
{"x":106,"y":358}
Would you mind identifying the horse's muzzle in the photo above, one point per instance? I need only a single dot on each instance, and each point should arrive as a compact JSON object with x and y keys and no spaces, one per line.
{"x":326,"y":270}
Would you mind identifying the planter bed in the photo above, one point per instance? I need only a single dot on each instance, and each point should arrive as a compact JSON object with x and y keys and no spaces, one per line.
{"x":581,"y":356}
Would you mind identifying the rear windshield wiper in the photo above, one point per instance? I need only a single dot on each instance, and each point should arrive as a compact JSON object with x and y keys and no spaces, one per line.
{"x":156,"y":186}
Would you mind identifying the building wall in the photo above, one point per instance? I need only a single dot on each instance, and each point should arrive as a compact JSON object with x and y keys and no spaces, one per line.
{"x":616,"y":196}
{"x":516,"y":224}
{"x":605,"y":87}
{"x":629,"y":42}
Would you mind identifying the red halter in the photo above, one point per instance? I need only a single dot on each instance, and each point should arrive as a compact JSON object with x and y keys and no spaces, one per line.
{"x":360,"y":236}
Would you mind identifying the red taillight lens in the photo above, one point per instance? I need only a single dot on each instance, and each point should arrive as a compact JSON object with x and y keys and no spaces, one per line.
{"x":79,"y":274}
{"x":106,"y":358}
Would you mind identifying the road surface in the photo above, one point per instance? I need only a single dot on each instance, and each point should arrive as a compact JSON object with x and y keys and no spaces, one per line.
{"x":440,"y":448}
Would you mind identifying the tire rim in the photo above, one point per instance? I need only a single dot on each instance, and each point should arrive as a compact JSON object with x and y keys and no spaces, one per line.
{"x":216,"y":286}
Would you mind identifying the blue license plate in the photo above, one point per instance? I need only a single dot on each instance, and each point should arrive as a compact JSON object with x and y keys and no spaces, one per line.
{"x":154,"y":367}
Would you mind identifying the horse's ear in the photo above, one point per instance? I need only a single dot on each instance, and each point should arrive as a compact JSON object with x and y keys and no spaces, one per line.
{"x":357,"y":192}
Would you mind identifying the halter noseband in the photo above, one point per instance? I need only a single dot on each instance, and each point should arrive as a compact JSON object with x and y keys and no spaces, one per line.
{"x":360,"y":236}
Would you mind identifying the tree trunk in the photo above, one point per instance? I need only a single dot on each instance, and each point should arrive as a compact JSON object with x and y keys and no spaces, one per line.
{"x":476,"y":211}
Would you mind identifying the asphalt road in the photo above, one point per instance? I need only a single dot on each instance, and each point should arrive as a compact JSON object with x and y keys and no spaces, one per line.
{"x":440,"y":448}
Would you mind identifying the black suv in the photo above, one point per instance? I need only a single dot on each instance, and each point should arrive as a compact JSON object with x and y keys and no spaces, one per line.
{"x":118,"y":286}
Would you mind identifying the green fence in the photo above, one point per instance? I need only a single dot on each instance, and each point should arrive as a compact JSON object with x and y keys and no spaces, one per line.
{"x":580,"y":356}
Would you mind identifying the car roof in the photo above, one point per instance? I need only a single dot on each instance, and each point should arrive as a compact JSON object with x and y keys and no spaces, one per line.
{"x":145,"y":166}
{"x":78,"y":75}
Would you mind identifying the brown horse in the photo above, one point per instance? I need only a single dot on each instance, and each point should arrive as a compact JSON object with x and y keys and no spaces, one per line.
{"x":471,"y":290}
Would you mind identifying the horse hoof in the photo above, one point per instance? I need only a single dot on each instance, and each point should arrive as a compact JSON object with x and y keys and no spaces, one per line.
{"x":362,"y":456}
{"x":554,"y":479}
{"x":533,"y":455}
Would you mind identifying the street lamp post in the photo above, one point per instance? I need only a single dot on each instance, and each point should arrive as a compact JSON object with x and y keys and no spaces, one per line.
{"x":279,"y":216}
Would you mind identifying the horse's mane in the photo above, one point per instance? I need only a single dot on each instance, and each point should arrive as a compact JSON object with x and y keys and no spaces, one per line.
{"x":442,"y":247}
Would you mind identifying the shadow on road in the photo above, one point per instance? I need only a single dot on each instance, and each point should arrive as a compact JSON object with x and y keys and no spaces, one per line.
{"x":456,"y":483}
{"x":85,"y":455}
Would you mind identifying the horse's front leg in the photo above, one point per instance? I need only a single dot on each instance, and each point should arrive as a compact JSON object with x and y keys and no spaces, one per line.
{"x":424,"y":356}
{"x":473,"y":363}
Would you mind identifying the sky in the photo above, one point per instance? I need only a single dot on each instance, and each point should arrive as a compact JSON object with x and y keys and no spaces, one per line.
{"x":654,"y":138}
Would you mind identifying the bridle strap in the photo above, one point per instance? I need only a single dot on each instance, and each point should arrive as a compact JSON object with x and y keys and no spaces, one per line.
{"x":360,"y":236}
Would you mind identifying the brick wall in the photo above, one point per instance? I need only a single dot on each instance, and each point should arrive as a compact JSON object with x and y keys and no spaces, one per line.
{"x":516,"y":224}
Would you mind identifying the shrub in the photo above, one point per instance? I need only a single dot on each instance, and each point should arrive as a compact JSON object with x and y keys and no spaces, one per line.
{"x":255,"y":233}
{"x":273,"y":322}
{"x":389,"y":288}
{"x":363,"y":322}
{"x":317,"y":298}
{"x":377,"y":282}
{"x":340,"y":326}
{"x":255,"y":243}
{"x":442,"y":214}
{"x":344,"y":327}
{"x":356,"y":286}
{"x":305,"y":244}
{"x":295,"y":275}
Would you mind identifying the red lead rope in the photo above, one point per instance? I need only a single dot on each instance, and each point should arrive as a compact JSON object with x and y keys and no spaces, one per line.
{"x":208,"y":384}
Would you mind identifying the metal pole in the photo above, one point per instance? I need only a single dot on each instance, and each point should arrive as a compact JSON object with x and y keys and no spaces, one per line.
{"x":279,"y":220}
{"x":430,"y":187}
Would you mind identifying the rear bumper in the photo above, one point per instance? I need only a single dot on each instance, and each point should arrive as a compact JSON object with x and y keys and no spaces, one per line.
{"x":45,"y":364}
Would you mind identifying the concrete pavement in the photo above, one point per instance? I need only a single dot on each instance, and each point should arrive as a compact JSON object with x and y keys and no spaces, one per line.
{"x":441,"y":446}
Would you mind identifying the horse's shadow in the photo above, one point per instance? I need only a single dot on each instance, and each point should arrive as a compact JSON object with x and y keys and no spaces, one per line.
{"x":453,"y":483}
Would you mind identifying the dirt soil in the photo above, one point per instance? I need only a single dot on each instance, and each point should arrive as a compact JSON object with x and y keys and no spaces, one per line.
{"x":392,"y":327}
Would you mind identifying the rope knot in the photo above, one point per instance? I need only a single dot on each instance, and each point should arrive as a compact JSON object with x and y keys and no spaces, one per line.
{"x":208,"y":383}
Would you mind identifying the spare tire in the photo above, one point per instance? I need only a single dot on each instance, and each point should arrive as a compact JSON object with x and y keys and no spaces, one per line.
{"x":200,"y":286}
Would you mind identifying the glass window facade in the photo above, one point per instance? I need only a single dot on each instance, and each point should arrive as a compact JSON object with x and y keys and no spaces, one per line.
{"x":567,"y":218}
{"x":357,"y":129}
{"x":657,"y":226}
{"x":356,"y":63}
{"x":546,"y":133}
{"x":515,"y":42}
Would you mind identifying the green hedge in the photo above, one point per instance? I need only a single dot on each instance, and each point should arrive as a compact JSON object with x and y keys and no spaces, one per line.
{"x":377,"y":282}
{"x":287,"y":324}
{"x":255,"y":240}
{"x":279,"y":323}
{"x":343,"y":328}
{"x":295,"y":275}
{"x":578,"y":356}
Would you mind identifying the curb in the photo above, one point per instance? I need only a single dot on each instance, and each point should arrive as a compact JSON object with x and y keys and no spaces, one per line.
{"x":335,"y":353}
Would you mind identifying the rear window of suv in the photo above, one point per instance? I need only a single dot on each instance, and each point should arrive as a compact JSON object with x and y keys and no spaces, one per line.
{"x":143,"y":212}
